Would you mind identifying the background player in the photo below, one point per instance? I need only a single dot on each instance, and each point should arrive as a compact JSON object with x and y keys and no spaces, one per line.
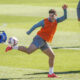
{"x":3,"y":37}
{"x":44,"y":35}
{"x":78,"y":11}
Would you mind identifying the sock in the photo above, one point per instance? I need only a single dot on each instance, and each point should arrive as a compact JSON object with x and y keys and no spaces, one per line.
{"x":15,"y":47}
{"x":51,"y":70}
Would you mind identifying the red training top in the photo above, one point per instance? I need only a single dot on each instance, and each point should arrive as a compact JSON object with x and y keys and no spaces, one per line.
{"x":48,"y":31}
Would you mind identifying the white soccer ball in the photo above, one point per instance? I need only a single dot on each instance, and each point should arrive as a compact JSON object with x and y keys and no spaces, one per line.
{"x":13,"y":41}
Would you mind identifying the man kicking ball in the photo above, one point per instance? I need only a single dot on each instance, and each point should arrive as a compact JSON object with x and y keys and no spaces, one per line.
{"x":44,"y":35}
{"x":78,"y":11}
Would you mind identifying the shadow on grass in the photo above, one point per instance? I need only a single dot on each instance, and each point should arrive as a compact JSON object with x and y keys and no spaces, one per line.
{"x":4,"y":79}
{"x":68,"y":72}
{"x":39,"y":73}
{"x":24,"y":78}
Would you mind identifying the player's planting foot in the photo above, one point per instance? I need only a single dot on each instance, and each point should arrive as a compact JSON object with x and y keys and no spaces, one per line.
{"x":52,"y":75}
{"x":8,"y":48}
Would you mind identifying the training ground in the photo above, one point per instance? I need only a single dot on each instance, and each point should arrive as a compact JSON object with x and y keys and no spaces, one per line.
{"x":19,"y":16}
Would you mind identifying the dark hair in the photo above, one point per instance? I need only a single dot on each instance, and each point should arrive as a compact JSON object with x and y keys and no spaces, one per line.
{"x":52,"y":11}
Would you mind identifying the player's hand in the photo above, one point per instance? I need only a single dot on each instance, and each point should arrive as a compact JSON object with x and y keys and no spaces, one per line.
{"x":27,"y":32}
{"x":64,"y":6}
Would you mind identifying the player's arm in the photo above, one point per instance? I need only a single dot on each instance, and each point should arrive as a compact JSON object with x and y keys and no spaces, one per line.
{"x":39,"y":24}
{"x":78,"y":11}
{"x":64,"y":17}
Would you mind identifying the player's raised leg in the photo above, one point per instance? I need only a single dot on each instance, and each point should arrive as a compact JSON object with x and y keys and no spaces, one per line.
{"x":28,"y":50}
{"x":49,"y":52}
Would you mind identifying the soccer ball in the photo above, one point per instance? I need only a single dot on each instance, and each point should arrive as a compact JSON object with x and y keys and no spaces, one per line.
{"x":13,"y":41}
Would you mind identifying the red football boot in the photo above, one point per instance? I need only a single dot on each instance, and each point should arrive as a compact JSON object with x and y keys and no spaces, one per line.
{"x":8,"y":48}
{"x":52,"y":75}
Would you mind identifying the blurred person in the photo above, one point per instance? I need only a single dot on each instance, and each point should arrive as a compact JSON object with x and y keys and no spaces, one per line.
{"x":78,"y":11}
{"x":3,"y":37}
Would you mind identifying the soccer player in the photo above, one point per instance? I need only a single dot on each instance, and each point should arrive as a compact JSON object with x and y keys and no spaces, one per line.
{"x":44,"y":35}
{"x":78,"y":11}
{"x":3,"y":37}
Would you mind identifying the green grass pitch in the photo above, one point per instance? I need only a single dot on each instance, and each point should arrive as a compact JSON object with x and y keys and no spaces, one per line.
{"x":20,"y":15}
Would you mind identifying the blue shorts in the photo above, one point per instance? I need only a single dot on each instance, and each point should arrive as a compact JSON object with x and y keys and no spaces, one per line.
{"x":40,"y":43}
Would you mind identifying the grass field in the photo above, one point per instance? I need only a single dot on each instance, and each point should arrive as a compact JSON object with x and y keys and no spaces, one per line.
{"x":71,"y":3}
{"x":19,"y":16}
{"x":16,"y":65}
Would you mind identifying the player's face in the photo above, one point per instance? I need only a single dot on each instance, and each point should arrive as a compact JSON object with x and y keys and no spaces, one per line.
{"x":52,"y":16}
